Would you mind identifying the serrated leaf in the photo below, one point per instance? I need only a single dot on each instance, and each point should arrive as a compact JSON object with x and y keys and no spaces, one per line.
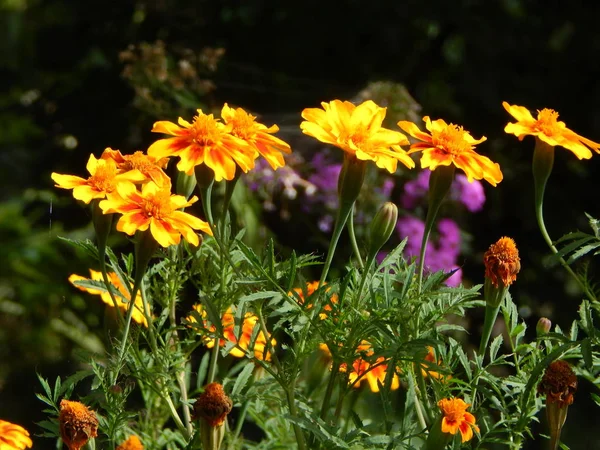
{"x":495,"y":346}
{"x":586,"y":352}
{"x":242,"y":379}
{"x":582,"y":251}
{"x":45,"y":386}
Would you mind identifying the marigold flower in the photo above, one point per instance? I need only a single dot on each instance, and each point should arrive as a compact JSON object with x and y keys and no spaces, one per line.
{"x":138,"y":311}
{"x":13,"y":437}
{"x":243,"y":343}
{"x":456,"y":418}
{"x":154,"y":208}
{"x":213,"y":405}
{"x":549,"y":129}
{"x":357,"y":130}
{"x":149,"y":166}
{"x":132,"y":443}
{"x":257,"y":135}
{"x":204,"y":141}
{"x":448,"y":144}
{"x":502,"y":262}
{"x":77,"y":424}
{"x":425,"y":368}
{"x":311,"y":287}
{"x":559,"y":383}
{"x":103,"y":180}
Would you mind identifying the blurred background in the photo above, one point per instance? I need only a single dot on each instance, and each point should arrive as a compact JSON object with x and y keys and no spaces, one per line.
{"x":77,"y":77}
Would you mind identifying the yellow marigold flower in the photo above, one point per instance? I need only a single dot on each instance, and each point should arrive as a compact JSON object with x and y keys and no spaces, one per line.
{"x":149,"y":166}
{"x":103,"y":180}
{"x":132,"y":443}
{"x":549,"y":129}
{"x":245,"y":338}
{"x":559,"y":383}
{"x":448,"y":144}
{"x":357,"y":130}
{"x":13,"y":437}
{"x":138,"y":312}
{"x":502,"y":262}
{"x":213,"y":405}
{"x":204,"y":141}
{"x":361,"y":370}
{"x":456,"y":418}
{"x":155,"y":208}
{"x":257,"y":135}
{"x":77,"y":424}
{"x":310,"y":290}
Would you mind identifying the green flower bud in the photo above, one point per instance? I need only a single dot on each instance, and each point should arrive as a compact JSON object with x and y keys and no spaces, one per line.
{"x":543,"y":326}
{"x":382,"y":226}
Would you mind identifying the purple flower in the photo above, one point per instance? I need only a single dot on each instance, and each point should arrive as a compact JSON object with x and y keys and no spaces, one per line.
{"x":469,"y":194}
{"x":415,"y":190}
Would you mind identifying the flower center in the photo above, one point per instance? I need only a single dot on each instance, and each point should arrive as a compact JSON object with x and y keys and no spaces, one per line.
{"x":137,"y":161}
{"x":451,"y":140}
{"x":242,"y":125}
{"x":547,"y":122}
{"x":453,"y":411}
{"x":104,"y":178}
{"x":158,"y":205}
{"x":205,"y":131}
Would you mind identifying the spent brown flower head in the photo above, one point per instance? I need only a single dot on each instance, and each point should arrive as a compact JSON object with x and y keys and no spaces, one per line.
{"x":132,"y":443}
{"x":559,"y":383}
{"x":78,"y":424}
{"x":213,"y":405}
{"x":502,"y":262}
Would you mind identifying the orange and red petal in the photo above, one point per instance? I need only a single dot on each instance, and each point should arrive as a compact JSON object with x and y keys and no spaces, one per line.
{"x":87,"y":193}
{"x":221,"y":163}
{"x":170,"y":147}
{"x":166,"y":127}
{"x":67,"y":181}
{"x":191,"y":157}
{"x":466,"y":432}
{"x":133,"y":221}
{"x":413,"y":130}
{"x":164,"y":233}
{"x":181,"y":218}
{"x":520,"y":113}
{"x":450,"y":427}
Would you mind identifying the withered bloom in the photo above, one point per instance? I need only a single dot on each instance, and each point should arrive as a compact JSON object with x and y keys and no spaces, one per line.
{"x":78,"y":424}
{"x":502,"y":262}
{"x":213,"y":405}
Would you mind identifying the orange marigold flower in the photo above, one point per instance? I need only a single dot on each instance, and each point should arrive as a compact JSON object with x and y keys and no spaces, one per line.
{"x":257,"y":135}
{"x":149,"y":166}
{"x":559,"y":383}
{"x":310,"y":290}
{"x":204,"y":141}
{"x":243,"y":343}
{"x":549,"y":129}
{"x":13,"y":437}
{"x":213,"y":405}
{"x":456,"y":418}
{"x":502,"y":262}
{"x":155,"y":208}
{"x":103,"y":180}
{"x":357,"y":130}
{"x":138,"y":312}
{"x":426,"y":368}
{"x":77,"y":423}
{"x":132,"y":443}
{"x":448,"y":144}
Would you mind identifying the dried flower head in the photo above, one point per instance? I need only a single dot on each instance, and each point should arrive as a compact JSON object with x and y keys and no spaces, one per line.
{"x":13,"y":437}
{"x":213,"y":405}
{"x":78,"y":424}
{"x":502,"y":262}
{"x":456,"y":418}
{"x":559,"y":383}
{"x":132,"y":443}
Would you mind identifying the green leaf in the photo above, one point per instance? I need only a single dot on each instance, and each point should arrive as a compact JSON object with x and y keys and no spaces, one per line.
{"x":582,"y":251}
{"x":586,"y":351}
{"x":242,"y":379}
{"x":495,"y":346}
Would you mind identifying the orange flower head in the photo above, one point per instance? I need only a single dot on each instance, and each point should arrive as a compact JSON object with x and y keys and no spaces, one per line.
{"x":426,"y":368}
{"x":132,"y":443}
{"x":448,"y":144}
{"x":456,"y":418}
{"x":257,"y":135}
{"x":243,"y":343}
{"x":213,"y":405}
{"x":204,"y":141}
{"x":13,"y":437}
{"x":559,"y":384}
{"x":102,"y":181}
{"x":502,"y":262}
{"x":157,"y":209}
{"x":549,"y":129}
{"x":150,"y":167}
{"x":78,"y":424}
{"x":310,"y":290}
{"x":357,"y":130}
{"x":138,"y":313}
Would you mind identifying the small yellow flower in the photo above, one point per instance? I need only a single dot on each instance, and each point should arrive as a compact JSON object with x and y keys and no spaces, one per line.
{"x":357,"y":130}
{"x":103,"y":180}
{"x":138,"y":312}
{"x":13,"y":437}
{"x":132,"y":443}
{"x":77,"y":424}
{"x":245,"y":338}
{"x":204,"y":141}
{"x":502,"y":262}
{"x":456,"y":418}
{"x":157,"y":209}
{"x":448,"y":144}
{"x":549,"y":129}
{"x":150,"y":167}
{"x":257,"y":135}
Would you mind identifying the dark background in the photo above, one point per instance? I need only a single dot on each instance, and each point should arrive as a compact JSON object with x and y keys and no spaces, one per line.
{"x":61,"y":79}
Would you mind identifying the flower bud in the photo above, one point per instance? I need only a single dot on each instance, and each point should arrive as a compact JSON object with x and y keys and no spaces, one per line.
{"x":185,"y":184}
{"x":382,"y":226}
{"x":502,"y":263}
{"x":211,"y":409}
{"x":543,"y":326}
{"x":77,"y":424}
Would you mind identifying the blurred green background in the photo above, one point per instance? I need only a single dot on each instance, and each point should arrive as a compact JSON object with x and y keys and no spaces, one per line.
{"x":80,"y":76}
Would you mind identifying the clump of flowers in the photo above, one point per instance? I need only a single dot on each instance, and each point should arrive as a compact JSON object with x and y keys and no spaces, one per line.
{"x":78,"y":424}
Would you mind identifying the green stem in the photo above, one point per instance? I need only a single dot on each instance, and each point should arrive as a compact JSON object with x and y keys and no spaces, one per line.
{"x":340,"y":221}
{"x":329,"y":391}
{"x":491,"y":312}
{"x":214,"y":357}
{"x":353,"y":239}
